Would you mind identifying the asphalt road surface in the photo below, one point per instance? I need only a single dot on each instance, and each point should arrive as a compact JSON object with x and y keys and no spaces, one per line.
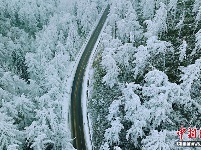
{"x":76,"y":109}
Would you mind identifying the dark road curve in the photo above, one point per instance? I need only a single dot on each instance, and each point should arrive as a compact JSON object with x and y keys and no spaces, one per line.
{"x":76,"y":108}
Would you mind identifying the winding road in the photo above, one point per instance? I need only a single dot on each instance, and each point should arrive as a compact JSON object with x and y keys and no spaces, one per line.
{"x":76,"y":108}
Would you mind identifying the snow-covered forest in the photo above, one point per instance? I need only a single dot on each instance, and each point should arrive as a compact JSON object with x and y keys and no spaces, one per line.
{"x":146,"y":76}
{"x":39,"y":40}
{"x":145,"y":80}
